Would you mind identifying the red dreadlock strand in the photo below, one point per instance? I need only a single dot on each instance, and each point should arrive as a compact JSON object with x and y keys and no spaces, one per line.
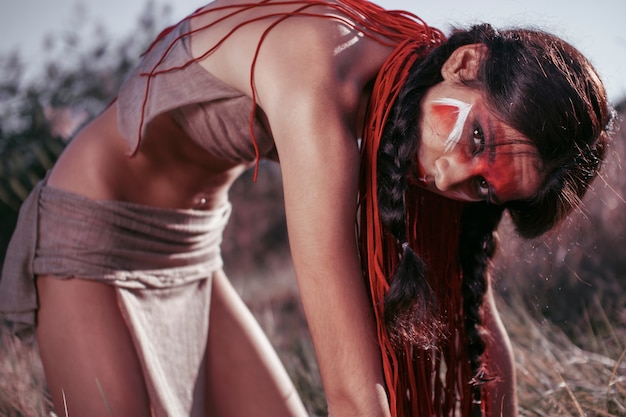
{"x":432,"y":382}
{"x":374,"y":243}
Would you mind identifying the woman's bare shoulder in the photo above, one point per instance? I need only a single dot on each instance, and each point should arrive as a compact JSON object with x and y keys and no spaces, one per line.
{"x":322,"y":66}
{"x":298,"y":52}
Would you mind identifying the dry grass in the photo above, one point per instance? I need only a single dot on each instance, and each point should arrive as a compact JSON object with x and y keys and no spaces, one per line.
{"x":555,"y":377}
{"x":22,"y":384}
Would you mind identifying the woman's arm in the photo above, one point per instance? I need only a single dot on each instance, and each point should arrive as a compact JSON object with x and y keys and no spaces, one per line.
{"x":320,"y":174}
{"x":501,"y":365}
{"x":313,"y":128}
{"x":320,"y":196}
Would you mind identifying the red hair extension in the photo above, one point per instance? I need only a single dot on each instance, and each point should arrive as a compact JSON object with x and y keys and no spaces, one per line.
{"x":434,"y":382}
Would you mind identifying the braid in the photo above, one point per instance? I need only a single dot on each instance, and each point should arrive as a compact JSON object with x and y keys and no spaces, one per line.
{"x":410,"y":305}
{"x":477,"y":247}
{"x":565,"y":116}
{"x":398,"y":147}
{"x":410,"y":302}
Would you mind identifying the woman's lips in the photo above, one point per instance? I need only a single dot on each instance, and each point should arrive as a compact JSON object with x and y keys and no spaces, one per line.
{"x":421,"y":174}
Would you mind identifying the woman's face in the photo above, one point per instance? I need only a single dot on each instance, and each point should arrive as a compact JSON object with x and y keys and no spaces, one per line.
{"x":466,"y":153}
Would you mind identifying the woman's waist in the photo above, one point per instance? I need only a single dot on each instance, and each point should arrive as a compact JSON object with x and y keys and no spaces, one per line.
{"x":162,"y":188}
{"x":125,"y":241}
{"x":167,"y":172}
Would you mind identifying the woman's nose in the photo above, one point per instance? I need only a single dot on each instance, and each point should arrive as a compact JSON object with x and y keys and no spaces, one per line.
{"x":450,"y":173}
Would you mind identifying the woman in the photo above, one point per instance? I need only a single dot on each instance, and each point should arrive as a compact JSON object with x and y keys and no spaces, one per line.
{"x":134,"y":314}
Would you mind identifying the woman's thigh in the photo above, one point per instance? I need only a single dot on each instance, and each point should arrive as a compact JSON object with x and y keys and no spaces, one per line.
{"x":89,"y":359}
{"x":245,"y":376}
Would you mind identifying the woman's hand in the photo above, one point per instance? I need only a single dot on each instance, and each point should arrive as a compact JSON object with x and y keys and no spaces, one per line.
{"x":502,"y":393}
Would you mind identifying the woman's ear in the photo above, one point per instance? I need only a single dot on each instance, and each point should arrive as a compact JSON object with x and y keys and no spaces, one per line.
{"x":464,"y":63}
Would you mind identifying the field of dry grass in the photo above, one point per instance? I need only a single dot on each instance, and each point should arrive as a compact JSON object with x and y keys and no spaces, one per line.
{"x":555,"y":377}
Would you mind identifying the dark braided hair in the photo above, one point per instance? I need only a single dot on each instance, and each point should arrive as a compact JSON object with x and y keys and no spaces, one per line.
{"x":410,"y":300}
{"x":540,"y":86}
{"x":478,"y":247}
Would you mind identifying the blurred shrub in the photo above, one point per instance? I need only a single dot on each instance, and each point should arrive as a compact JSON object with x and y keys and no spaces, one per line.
{"x":82,"y":73}
{"x":255,"y":240}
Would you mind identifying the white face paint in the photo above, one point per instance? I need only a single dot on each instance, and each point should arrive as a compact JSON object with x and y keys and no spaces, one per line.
{"x":463,"y":110}
{"x":351,"y":39}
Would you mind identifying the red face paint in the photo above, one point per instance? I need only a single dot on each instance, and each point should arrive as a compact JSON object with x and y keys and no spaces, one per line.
{"x":446,"y":116}
{"x":511,"y":171}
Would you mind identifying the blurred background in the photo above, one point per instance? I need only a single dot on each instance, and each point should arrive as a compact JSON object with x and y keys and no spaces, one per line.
{"x":594,"y":28}
{"x":562,"y":296}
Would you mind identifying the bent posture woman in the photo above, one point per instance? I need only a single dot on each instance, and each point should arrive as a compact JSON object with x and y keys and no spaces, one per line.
{"x":380,"y":123}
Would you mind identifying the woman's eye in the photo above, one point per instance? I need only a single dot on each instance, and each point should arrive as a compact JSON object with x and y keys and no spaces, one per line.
{"x":478,"y":139}
{"x":484,"y":191}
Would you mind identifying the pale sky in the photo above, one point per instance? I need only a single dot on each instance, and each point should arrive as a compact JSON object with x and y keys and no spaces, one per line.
{"x":596,"y":27}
